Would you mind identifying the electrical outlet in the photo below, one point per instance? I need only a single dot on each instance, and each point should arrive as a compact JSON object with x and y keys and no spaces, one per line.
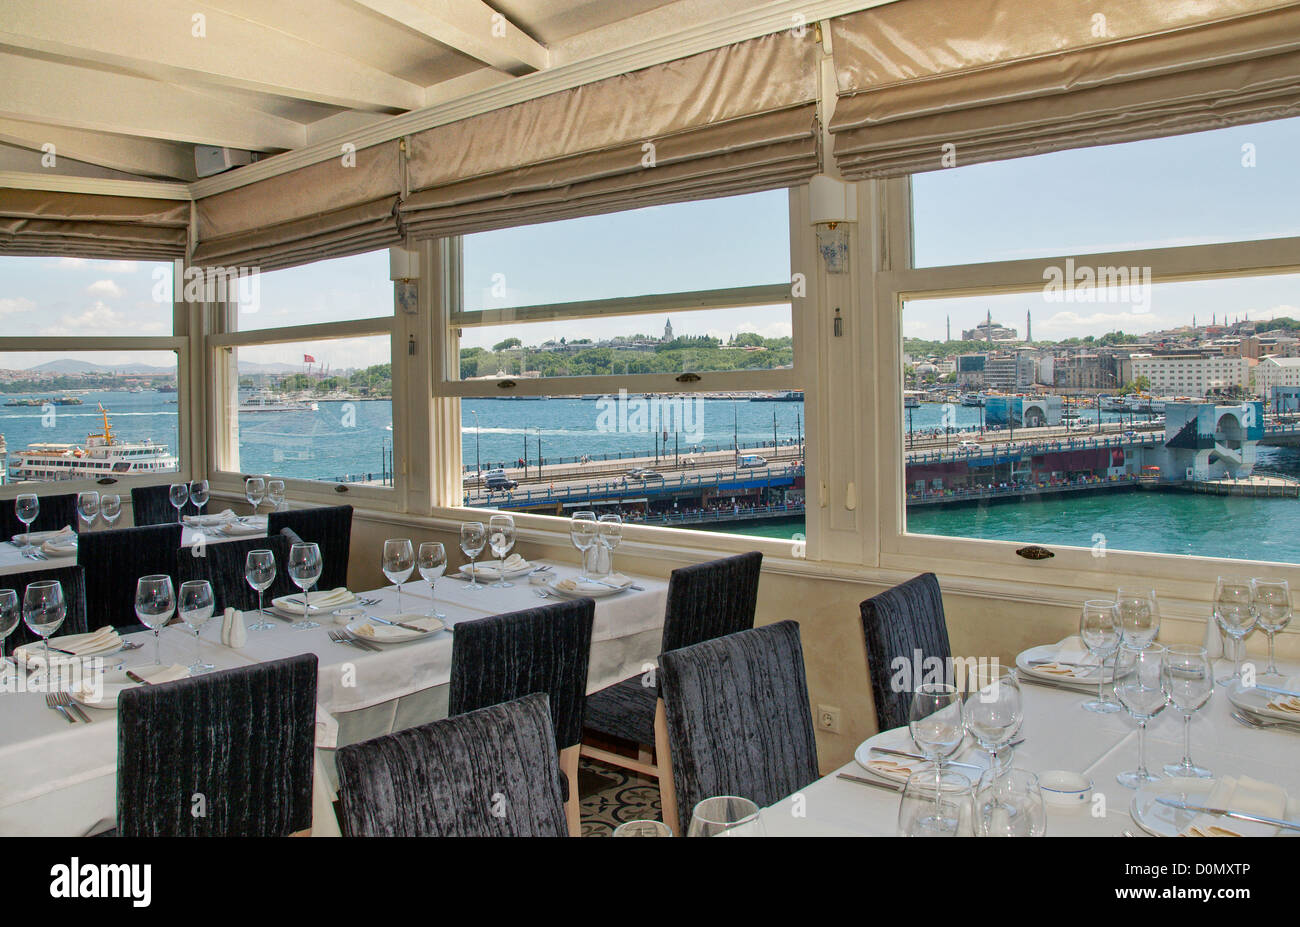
{"x":828,"y":719}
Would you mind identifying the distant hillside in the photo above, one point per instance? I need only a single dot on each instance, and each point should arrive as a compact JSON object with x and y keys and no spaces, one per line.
{"x":70,"y":365}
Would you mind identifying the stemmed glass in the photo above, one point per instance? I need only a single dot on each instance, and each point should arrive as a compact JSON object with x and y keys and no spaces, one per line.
{"x":1234,"y":610}
{"x":1101,"y":632}
{"x":432,"y":562}
{"x":1139,"y":614}
{"x":275,"y":494}
{"x":1009,"y":803}
{"x":179,"y":494}
{"x":155,"y":602}
{"x":472,"y":538}
{"x":722,"y":815}
{"x":195,"y":606}
{"x":501,"y":538}
{"x":936,"y":805}
{"x":199,"y":493}
{"x":1189,"y":683}
{"x":27,"y":506}
{"x":304,"y":569}
{"x":1272,"y":612}
{"x":9,"y":616}
{"x":398,"y":564}
{"x":610,"y":528}
{"x":993,"y":716}
{"x":88,"y":507}
{"x":582,"y":531}
{"x":937,"y":723}
{"x":255,"y":491}
{"x":259,"y":572}
{"x":110,"y":507}
{"x":1141,"y":691}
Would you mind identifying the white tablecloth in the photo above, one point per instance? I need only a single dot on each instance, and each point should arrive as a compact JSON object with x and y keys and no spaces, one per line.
{"x":13,"y":561}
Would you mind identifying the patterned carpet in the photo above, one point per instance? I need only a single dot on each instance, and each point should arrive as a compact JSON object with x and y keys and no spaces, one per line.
{"x":611,"y":796}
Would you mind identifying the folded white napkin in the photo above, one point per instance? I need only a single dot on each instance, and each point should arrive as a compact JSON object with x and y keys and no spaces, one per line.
{"x":384,"y":631}
{"x":896,"y":768}
{"x":575,"y":584}
{"x":106,"y":638}
{"x":40,"y":537}
{"x":61,"y":544}
{"x":491,"y":570}
{"x":156,"y":675}
{"x":216,"y":518}
{"x":1071,"y":659}
{"x":1287,"y":704}
{"x":1239,"y":794}
{"x":325,"y":599}
{"x":247,"y":527}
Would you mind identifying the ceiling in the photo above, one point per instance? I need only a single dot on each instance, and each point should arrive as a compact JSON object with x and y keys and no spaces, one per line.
{"x":124,"y":90}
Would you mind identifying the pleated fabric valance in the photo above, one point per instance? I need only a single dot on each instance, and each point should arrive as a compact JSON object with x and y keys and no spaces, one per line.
{"x":130,"y":228}
{"x":999,"y":79}
{"x":734,"y":120}
{"x":347,"y":205}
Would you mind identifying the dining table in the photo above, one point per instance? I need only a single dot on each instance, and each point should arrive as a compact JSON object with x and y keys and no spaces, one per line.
{"x":59,"y":779}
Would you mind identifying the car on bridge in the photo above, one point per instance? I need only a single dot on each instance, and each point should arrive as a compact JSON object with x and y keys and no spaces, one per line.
{"x":642,"y":475}
{"x":497,"y":481}
{"x":750,"y":461}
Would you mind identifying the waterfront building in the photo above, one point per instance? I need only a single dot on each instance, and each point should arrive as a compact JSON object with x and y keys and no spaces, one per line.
{"x":1197,"y":374}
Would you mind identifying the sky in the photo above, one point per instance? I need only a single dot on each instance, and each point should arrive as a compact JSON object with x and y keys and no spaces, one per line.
{"x":1229,"y":184}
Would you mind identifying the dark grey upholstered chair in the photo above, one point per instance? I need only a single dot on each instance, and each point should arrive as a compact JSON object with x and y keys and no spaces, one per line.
{"x":152,"y":505}
{"x":241,"y":738}
{"x":897,"y":623}
{"x":488,"y":773}
{"x":73,"y":579}
{"x":55,"y":512}
{"x":546,"y":649}
{"x":705,"y":600}
{"x":739,"y":721}
{"x":222,"y":564}
{"x":114,"y":560}
{"x":330,"y":528}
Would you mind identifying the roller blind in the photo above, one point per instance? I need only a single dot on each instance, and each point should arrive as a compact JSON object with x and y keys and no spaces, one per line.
{"x":40,"y":222}
{"x":999,"y":79}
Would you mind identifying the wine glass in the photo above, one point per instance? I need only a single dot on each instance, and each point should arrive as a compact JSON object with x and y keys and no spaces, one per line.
{"x":937,"y":724}
{"x":1009,"y":803}
{"x":1189,"y":683}
{"x":1139,"y":614}
{"x":501,"y":537}
{"x":304,"y":569}
{"x":936,"y":804}
{"x":275,"y":494}
{"x":44,"y":609}
{"x":582,"y":531}
{"x":110,"y":507}
{"x":9,"y":615}
{"x":179,"y":494}
{"x":610,"y":530}
{"x":27,"y":506}
{"x":1234,"y":610}
{"x":88,"y":507}
{"x":432,"y":562}
{"x":259,"y":572}
{"x":155,"y":601}
{"x":642,"y":829}
{"x":726,"y":816}
{"x":195,"y":604}
{"x":1272,"y":612}
{"x":1101,"y":632}
{"x":993,"y":715}
{"x":398,"y":564}
{"x":472,"y":538}
{"x":1139,"y":684}
{"x":254,"y":491}
{"x":199,"y":494}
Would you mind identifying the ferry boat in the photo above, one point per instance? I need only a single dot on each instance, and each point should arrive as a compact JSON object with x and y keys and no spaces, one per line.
{"x":103,"y":455}
{"x":790,"y":395}
{"x":972,"y":399}
{"x":268,"y":402}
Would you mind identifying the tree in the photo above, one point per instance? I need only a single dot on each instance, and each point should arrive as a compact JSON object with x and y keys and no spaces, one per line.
{"x":508,"y":343}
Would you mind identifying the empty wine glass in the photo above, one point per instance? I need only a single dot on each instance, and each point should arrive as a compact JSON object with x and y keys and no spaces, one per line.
{"x":1272,"y":613}
{"x":1101,"y":632}
{"x":155,"y":602}
{"x":472,"y":538}
{"x":44,"y":609}
{"x":1234,"y":610}
{"x":9,"y":616}
{"x":398,"y":564}
{"x":195,"y":604}
{"x":199,"y":494}
{"x":275,"y":494}
{"x":993,"y":714}
{"x":110,"y":507}
{"x":610,"y":531}
{"x":27,"y":506}
{"x":178,"y":494}
{"x":937,"y":723}
{"x":432,"y":562}
{"x":642,"y":829}
{"x":1139,"y":614}
{"x":936,"y":804}
{"x":88,"y":507}
{"x":255,"y":491}
{"x":1140,"y":686}
{"x":304,"y":569}
{"x":501,"y":538}
{"x":582,"y":532}
{"x":1189,"y":683}
{"x":726,"y":816}
{"x":1009,"y":803}
{"x":259,"y":572}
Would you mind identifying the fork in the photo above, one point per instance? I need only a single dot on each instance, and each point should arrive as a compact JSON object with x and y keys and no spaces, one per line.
{"x":339,"y":637}
{"x":52,"y":702}
{"x":1250,"y":721}
{"x":64,"y":699}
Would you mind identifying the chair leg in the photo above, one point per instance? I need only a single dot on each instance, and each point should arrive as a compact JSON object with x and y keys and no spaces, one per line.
{"x":572,"y":810}
{"x":650,"y":771}
{"x":667,"y":790}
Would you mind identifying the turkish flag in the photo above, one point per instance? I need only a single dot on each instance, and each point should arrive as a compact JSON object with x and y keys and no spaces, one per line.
{"x":308,"y":359}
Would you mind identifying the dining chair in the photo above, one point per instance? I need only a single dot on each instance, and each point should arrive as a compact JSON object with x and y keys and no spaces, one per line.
{"x":905,"y":622}
{"x":113,"y":560}
{"x":152,"y":505}
{"x":738,"y":717}
{"x":222,"y":564}
{"x":73,"y":579}
{"x":493,"y":772}
{"x":705,"y":600}
{"x":330,"y":527}
{"x":225,"y":754}
{"x":55,"y":512}
{"x":545,"y":649}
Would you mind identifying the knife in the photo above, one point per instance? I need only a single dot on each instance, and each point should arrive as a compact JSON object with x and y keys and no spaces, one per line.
{"x":880,"y":785}
{"x":923,"y":759}
{"x":1275,"y":690}
{"x":398,"y":624}
{"x":1224,"y":812}
{"x":135,"y":677}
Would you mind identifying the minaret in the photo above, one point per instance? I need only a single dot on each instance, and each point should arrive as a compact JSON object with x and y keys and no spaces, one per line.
{"x":668,"y":331}
{"x":949,"y":335}
{"x":1029,"y":327}
{"x":988,"y":331}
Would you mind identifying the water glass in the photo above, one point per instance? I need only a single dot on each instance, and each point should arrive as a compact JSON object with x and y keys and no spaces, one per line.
{"x":88,"y":508}
{"x":726,"y":816}
{"x":993,"y":713}
{"x":304,"y":569}
{"x":27,"y":506}
{"x":1140,"y":686}
{"x":610,"y":531}
{"x":110,"y":507}
{"x":254,"y":491}
{"x":1139,"y":614}
{"x":259,"y":572}
{"x":1009,"y":803}
{"x":195,"y":604}
{"x":199,"y":494}
{"x":1272,"y":599}
{"x":9,"y":616}
{"x":178,"y":494}
{"x":1189,"y":683}
{"x":431,"y":559}
{"x":583,"y":532}
{"x":1234,"y":610}
{"x":936,"y":720}
{"x":472,"y":538}
{"x":275,"y":494}
{"x":155,"y":603}
{"x":44,"y":609}
{"x":501,"y":538}
{"x":398,"y":564}
{"x":1101,"y":632}
{"x":936,"y":803}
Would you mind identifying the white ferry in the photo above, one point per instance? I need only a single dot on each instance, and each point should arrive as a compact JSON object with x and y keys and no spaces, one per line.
{"x":266,"y":401}
{"x":102,"y":456}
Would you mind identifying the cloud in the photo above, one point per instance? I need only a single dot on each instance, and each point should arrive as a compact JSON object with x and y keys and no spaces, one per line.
{"x":771,"y":330}
{"x":105,"y":288}
{"x":10,"y":305}
{"x":99,"y":319}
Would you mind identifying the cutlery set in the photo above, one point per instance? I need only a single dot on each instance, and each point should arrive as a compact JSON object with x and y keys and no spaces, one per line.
{"x":64,"y":705}
{"x":342,"y":637}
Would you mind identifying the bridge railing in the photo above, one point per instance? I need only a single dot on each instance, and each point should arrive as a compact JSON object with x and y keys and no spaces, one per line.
{"x":607,"y":489}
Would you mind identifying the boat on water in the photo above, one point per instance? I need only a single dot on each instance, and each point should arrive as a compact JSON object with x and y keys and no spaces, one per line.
{"x":269,"y":402}
{"x":790,"y":395}
{"x":973,"y":400}
{"x":102,"y":455}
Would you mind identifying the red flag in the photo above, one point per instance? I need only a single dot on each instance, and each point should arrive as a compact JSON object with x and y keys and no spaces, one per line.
{"x":308,"y":359}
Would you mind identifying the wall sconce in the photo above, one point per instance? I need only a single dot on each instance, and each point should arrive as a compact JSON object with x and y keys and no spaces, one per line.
{"x":833,"y":203}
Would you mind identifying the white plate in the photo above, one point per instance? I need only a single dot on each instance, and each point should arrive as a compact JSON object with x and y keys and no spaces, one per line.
{"x":387,"y":634}
{"x":1162,"y":821}
{"x":291,"y":605}
{"x":115,"y":683}
{"x":1046,"y":652}
{"x":488,"y":573}
{"x":1255,"y":702}
{"x":592,"y":591}
{"x":37,"y":651}
{"x":900,"y":739}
